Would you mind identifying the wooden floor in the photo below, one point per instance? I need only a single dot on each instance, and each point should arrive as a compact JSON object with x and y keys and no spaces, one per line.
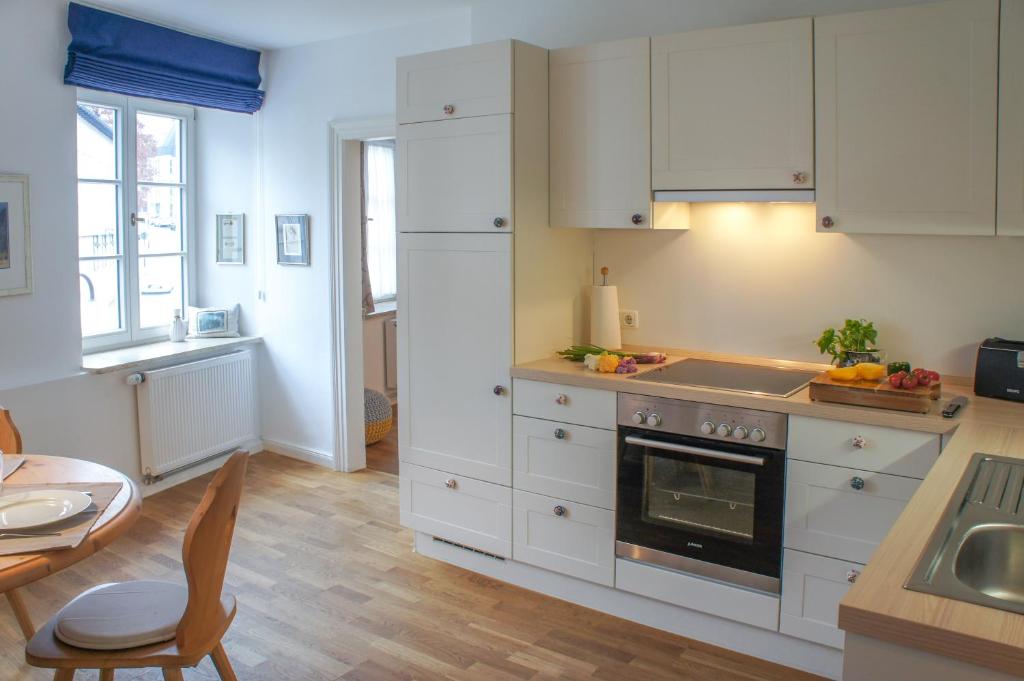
{"x":329,"y":589}
{"x":383,"y":456}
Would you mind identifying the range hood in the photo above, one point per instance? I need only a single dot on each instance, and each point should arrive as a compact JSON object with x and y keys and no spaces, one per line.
{"x":735,"y":196}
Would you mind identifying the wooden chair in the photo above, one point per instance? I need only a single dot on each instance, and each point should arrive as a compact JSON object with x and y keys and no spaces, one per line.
{"x":194,"y":619}
{"x":10,"y":443}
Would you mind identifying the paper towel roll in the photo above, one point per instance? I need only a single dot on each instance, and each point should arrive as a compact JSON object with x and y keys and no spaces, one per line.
{"x":604,"y":317}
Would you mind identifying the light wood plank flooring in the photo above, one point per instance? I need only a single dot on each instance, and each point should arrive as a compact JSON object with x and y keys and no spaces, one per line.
{"x":329,"y":589}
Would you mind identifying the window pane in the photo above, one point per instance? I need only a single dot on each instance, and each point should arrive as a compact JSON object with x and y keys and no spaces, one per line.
{"x":97,"y":219}
{"x":160,"y":207}
{"x":158,"y":148}
{"x":97,"y":142}
{"x":381,"y":243}
{"x":160,"y":289}
{"x":100,"y":294}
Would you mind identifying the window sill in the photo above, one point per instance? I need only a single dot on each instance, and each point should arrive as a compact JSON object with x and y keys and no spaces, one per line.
{"x":383,"y":308}
{"x":151,"y":355}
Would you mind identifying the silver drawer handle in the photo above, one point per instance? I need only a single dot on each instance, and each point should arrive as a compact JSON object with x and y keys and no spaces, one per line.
{"x":561,"y":433}
{"x":560,"y":511}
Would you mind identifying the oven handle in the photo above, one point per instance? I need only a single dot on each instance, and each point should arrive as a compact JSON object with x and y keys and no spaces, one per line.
{"x":696,"y":451}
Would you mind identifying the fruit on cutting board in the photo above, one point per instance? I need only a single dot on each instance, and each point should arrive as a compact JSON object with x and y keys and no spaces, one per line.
{"x":908,"y":380}
{"x":868,"y":371}
{"x":896,"y":367}
{"x":844,"y":374}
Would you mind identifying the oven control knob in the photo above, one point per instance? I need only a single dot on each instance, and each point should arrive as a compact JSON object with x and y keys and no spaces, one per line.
{"x":757,"y":435}
{"x":724,"y":429}
{"x":654,"y":420}
{"x":707,"y":428}
{"x":740,"y":433}
{"x":639,"y":418}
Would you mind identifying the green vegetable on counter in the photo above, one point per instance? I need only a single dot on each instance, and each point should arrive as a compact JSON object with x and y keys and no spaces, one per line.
{"x":896,"y":367}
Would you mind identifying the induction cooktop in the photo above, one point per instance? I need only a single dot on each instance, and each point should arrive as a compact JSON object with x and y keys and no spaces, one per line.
{"x":744,"y":378}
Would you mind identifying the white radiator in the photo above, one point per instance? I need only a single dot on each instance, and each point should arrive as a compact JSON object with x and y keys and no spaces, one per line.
{"x":191,"y":412}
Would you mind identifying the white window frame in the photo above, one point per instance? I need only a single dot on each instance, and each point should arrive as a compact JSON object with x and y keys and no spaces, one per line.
{"x":128,"y":107}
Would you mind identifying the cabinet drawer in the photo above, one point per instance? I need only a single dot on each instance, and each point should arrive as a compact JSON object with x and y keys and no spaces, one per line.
{"x":812,"y":587}
{"x":459,"y":509}
{"x":827,"y":515}
{"x":456,"y":83}
{"x":866,"y":448}
{"x":563,"y":460}
{"x":562,"y":536}
{"x":568,"y":404}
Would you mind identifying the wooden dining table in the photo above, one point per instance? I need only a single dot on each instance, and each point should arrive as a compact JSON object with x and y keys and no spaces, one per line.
{"x":22,"y":569}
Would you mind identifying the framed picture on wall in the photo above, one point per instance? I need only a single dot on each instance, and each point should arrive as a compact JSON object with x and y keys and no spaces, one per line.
{"x":231,"y":239}
{"x":292,"y":239}
{"x":15,"y":242}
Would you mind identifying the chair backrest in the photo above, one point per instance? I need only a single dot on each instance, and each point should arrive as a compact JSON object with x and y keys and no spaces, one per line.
{"x":10,"y":438}
{"x":205,"y":554}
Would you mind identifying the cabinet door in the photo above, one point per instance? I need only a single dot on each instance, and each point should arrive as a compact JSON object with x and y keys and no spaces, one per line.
{"x":600,"y":117}
{"x":455,"y":176}
{"x":812,"y":587}
{"x":454,"y":353}
{"x":1010,"y":214}
{"x":840,"y":512}
{"x":457,"y":83}
{"x":906,"y":119}
{"x":733,"y":108}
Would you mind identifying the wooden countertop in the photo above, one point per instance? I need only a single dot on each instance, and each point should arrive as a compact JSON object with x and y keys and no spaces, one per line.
{"x":878,"y":605}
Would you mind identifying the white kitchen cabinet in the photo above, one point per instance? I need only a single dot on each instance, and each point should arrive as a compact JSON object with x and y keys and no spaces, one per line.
{"x":600,"y":122}
{"x":1010,"y":208}
{"x":812,"y":587}
{"x":461,"y":82}
{"x":566,"y":403}
{"x":454,"y":353}
{"x":564,"y":460}
{"x":562,"y":536}
{"x":840,"y":512}
{"x":455,"y":176}
{"x":733,"y":108}
{"x":459,"y":509}
{"x":906,"y":119}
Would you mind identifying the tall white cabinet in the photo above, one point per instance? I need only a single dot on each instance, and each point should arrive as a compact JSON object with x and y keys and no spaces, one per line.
{"x":1010,"y":206}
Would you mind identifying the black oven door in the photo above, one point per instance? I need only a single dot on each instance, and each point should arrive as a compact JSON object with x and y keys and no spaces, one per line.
{"x":707,"y":507}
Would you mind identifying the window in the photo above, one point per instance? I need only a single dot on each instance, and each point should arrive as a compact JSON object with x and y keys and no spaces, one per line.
{"x":381,"y":236}
{"x":134,"y":217}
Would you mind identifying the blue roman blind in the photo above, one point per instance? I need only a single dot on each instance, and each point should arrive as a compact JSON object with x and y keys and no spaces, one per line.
{"x":116,"y":54}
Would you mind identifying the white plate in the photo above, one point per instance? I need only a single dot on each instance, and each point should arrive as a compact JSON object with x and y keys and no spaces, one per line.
{"x":41,"y":507}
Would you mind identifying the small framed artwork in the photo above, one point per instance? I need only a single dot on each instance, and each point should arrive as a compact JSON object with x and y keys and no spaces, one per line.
{"x":292,"y":239}
{"x":231,"y":239}
{"x":15,"y":242}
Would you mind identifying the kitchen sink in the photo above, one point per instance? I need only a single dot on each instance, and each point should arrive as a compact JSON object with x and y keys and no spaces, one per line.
{"x":976,"y":553}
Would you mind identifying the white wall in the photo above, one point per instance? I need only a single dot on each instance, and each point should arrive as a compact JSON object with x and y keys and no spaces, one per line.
{"x":760,"y":280}
{"x":309,"y":86}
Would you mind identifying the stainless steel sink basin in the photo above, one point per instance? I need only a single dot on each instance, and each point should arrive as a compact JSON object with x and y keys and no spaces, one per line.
{"x":976,"y":553}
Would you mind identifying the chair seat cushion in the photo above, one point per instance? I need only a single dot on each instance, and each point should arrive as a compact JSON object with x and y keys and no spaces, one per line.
{"x":122,"y":615}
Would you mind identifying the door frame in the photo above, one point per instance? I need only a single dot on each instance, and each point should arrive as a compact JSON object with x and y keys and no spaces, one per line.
{"x":345,"y":138}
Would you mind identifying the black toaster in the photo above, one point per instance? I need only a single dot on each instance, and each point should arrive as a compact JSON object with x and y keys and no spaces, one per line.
{"x":1000,"y":369}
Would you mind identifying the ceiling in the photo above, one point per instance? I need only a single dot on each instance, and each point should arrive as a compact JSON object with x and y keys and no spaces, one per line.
{"x":273,"y":24}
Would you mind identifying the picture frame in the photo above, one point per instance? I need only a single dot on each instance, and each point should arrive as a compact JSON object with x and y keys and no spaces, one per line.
{"x":231,"y":239}
{"x":15,"y":236}
{"x":292,"y":239}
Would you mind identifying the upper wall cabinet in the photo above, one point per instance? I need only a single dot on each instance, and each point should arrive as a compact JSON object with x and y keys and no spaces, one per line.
{"x":600,"y":144}
{"x":733,"y":108}
{"x":456,"y":83}
{"x":906,"y":119}
{"x":1010,"y":207}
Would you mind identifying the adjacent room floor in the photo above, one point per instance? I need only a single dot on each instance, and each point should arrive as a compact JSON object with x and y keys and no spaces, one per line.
{"x":383,"y":456}
{"x":329,"y":589}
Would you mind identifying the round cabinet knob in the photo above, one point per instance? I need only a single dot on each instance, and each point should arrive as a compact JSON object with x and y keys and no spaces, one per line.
{"x":559,"y":511}
{"x":799,"y":177}
{"x":654,"y":420}
{"x":637,"y":218}
{"x":758,"y":435}
{"x":740,"y":433}
{"x":852,"y":576}
{"x":562,"y":399}
{"x":639,"y":418}
{"x":449,"y":109}
{"x":499,"y":222}
{"x":560,"y":434}
{"x":450,"y":483}
{"x":499,"y":390}
{"x":857,"y":483}
{"x":827,"y":222}
{"x":707,"y":428}
{"x":859,"y":442}
{"x":724,"y":430}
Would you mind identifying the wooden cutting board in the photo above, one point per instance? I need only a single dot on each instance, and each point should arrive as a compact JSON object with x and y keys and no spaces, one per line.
{"x":875,"y":394}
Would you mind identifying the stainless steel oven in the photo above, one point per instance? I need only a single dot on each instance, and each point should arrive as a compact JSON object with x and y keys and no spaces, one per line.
{"x":701,"y":489}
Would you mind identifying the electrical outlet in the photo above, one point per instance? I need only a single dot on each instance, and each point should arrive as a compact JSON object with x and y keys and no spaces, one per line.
{"x":630,"y":319}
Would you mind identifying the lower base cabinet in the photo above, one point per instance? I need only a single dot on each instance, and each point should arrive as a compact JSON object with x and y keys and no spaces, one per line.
{"x":812,"y":587}
{"x":562,"y":536}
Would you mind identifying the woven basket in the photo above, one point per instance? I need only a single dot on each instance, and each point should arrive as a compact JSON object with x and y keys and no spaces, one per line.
{"x":378,"y":417}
